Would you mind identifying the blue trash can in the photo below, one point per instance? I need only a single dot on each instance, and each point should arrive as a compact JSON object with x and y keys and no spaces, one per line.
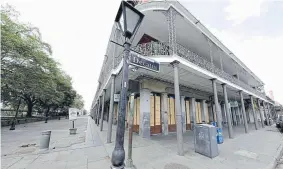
{"x":219,"y":136}
{"x":213,"y":123}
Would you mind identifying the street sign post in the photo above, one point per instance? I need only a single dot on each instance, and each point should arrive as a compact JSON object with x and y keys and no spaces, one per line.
{"x":72,"y":117}
{"x":143,"y":62}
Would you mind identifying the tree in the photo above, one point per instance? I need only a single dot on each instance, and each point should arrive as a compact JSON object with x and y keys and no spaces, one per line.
{"x":54,"y":90}
{"x":28,"y":73}
{"x":78,"y":102}
{"x":23,"y":58}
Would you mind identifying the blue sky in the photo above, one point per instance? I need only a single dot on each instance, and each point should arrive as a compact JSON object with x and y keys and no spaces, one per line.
{"x":78,"y":31}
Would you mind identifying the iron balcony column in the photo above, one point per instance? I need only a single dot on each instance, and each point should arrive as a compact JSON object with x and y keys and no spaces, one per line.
{"x":265,"y":113}
{"x":217,"y":108}
{"x":102,"y":109}
{"x":261,"y":115}
{"x":110,"y":120}
{"x":164,"y":113}
{"x":253,"y":110}
{"x":203,"y":114}
{"x":98,"y":110}
{"x":244,"y":112}
{"x":178,"y":109}
{"x":192,"y":106}
{"x":228,"y":113}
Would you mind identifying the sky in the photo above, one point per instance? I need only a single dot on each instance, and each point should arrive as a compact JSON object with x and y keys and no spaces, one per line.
{"x":79,"y":30}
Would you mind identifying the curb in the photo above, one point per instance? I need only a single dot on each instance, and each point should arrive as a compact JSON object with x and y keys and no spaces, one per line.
{"x":273,"y":165}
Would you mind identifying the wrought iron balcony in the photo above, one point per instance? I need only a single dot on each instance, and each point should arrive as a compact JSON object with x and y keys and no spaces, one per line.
{"x":157,"y":48}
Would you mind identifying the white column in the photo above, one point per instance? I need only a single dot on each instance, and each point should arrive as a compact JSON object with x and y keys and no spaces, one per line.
{"x":217,"y":107}
{"x":183,"y":112}
{"x":210,"y":112}
{"x":203,"y":114}
{"x":144,"y":128}
{"x":224,"y":118}
{"x":180,"y":142}
{"x":193,"y":112}
{"x":253,"y":111}
{"x":238,"y":115}
{"x":164,"y":113}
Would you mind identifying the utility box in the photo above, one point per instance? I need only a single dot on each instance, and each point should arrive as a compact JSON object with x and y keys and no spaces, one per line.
{"x":205,"y":140}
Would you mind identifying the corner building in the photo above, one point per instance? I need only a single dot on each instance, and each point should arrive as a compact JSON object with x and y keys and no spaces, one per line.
{"x":214,"y":84}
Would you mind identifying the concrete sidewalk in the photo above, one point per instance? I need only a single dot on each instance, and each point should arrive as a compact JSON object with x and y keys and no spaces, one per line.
{"x":256,"y":150}
{"x":66,"y":151}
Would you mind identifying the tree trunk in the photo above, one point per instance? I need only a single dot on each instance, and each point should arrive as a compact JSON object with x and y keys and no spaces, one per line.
{"x":46,"y":114}
{"x":30,"y":106}
{"x":15,"y":118}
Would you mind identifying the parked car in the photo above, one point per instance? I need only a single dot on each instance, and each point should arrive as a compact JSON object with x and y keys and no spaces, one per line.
{"x":279,"y":122}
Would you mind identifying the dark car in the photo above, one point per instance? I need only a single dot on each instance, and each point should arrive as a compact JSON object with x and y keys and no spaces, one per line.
{"x":279,"y":122}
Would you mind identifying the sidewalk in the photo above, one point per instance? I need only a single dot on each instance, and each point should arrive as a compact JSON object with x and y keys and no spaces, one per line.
{"x":65,"y":151}
{"x":256,"y":150}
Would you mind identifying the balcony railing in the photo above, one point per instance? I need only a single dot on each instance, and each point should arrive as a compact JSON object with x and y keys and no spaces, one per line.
{"x":157,"y":48}
{"x":153,"y":49}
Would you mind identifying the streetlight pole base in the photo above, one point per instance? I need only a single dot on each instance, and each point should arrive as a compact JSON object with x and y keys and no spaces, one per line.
{"x":120,"y":167}
{"x":133,"y":167}
{"x":129,"y":164}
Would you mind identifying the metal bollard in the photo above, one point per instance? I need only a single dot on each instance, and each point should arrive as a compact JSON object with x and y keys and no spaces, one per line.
{"x":45,"y":139}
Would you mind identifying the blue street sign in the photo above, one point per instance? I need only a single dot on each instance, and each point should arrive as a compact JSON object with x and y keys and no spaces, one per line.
{"x":143,"y":62}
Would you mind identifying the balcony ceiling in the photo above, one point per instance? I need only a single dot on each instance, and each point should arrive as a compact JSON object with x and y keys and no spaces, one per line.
{"x":187,"y":77}
{"x":155,"y":25}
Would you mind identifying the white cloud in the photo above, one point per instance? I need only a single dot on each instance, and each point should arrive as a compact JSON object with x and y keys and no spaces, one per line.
{"x":240,"y":10}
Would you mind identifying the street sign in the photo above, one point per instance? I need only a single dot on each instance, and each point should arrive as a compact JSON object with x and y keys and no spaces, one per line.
{"x":73,"y":114}
{"x":143,"y":62}
{"x":116,"y":97}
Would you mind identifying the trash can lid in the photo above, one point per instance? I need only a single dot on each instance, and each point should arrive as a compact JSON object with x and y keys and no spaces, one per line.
{"x":48,"y":132}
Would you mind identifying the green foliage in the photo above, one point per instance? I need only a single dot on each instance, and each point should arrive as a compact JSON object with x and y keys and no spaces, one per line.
{"x":27,"y":70}
{"x":78,"y":102}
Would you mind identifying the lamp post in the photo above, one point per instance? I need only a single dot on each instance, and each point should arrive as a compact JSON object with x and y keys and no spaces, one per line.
{"x":129,"y":163}
{"x":128,"y":19}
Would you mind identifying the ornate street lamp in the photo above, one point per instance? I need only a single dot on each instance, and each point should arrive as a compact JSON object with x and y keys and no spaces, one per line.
{"x":128,"y":19}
